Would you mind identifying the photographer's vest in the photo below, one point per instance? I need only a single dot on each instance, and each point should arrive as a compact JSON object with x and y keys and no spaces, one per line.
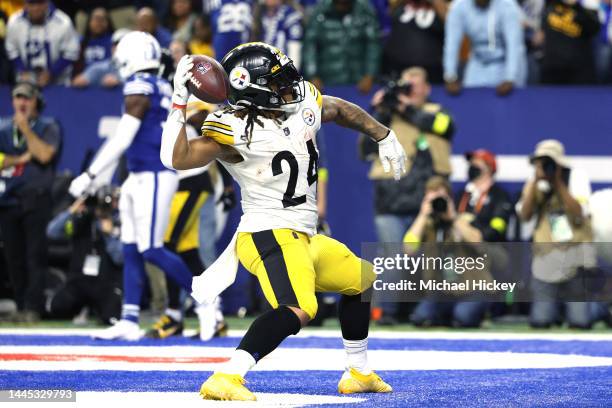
{"x":412,"y":138}
{"x":560,"y":245}
{"x":432,"y":239}
{"x":548,"y":209}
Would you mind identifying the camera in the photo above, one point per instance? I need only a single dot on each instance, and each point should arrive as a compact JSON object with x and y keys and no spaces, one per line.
{"x":392,"y":90}
{"x":439,"y":205}
{"x":549,"y":166}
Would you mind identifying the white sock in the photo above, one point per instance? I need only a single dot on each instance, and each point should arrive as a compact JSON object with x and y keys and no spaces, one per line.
{"x":240,"y":363}
{"x":175,"y":314}
{"x":357,"y":355}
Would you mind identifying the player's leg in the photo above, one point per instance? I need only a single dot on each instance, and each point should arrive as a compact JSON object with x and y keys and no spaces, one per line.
{"x":339,"y":270}
{"x":134,"y":274}
{"x":152,"y":208}
{"x":181,"y":216}
{"x":282,"y":264}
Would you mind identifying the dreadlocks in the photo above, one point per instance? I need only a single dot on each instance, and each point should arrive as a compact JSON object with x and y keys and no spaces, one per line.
{"x":252,"y":114}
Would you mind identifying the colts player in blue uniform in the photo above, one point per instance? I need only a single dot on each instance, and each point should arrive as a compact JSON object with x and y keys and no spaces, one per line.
{"x":147,"y":192}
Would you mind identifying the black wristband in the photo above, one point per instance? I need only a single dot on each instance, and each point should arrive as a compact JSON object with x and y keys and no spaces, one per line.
{"x":387,"y":135}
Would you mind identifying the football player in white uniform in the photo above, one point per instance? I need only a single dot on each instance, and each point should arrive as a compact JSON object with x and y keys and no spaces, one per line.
{"x":267,"y":141}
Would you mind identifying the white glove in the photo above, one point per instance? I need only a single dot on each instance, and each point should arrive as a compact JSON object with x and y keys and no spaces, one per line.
{"x":392,"y":154}
{"x":181,"y":76}
{"x":80,"y":185}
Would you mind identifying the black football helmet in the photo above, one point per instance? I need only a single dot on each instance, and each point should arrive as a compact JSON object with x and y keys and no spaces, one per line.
{"x":261,"y":75}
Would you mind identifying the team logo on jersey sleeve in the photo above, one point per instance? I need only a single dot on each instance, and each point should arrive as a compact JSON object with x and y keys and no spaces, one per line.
{"x":239,"y":78}
{"x":308,"y":116}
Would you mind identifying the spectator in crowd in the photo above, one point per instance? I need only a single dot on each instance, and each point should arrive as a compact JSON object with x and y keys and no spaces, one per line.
{"x":416,"y":38}
{"x":94,"y":273}
{"x":102,"y":73}
{"x":231,"y":22}
{"x":425,"y":130}
{"x":532,"y":24}
{"x":382,"y":9}
{"x":6,"y":69}
{"x":42,"y":43}
{"x":96,"y":44}
{"x":342,"y":44}
{"x":29,"y":146}
{"x":177,"y":49}
{"x":181,"y":19}
{"x":122,"y":12}
{"x":201,"y":41}
{"x":146,"y":20}
{"x":603,"y":56}
{"x":497,"y":57}
{"x":481,"y":216}
{"x":557,"y":197}
{"x":281,"y":26}
{"x":569,"y":30}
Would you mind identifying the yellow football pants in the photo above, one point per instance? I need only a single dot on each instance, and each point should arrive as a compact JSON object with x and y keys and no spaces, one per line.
{"x":291,"y":267}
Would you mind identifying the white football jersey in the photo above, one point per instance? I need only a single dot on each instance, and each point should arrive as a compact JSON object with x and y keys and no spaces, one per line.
{"x":278,"y":176}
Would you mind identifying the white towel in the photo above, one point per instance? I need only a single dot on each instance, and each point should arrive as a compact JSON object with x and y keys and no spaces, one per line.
{"x":218,"y":276}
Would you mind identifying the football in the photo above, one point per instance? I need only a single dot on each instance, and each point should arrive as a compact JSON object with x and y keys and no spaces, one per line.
{"x":209,"y":81}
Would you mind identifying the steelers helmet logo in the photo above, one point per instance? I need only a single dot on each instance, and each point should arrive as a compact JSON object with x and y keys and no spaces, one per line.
{"x":239,"y":78}
{"x":308,"y":116}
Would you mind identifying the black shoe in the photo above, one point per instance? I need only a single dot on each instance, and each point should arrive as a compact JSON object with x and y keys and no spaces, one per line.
{"x":165,"y":327}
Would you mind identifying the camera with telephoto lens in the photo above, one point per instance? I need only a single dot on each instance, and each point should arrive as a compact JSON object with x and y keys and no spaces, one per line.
{"x":102,"y":203}
{"x":439,"y":205}
{"x":392,"y":90}
{"x":549,"y":166}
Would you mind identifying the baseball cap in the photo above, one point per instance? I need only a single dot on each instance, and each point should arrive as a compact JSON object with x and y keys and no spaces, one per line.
{"x":485,"y":155}
{"x":550,"y":148}
{"x":25,"y":89}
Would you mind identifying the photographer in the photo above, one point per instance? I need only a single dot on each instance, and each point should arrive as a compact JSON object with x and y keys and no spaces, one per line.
{"x":425,"y":130}
{"x":481,"y":216}
{"x":94,"y":275}
{"x":558,"y":198}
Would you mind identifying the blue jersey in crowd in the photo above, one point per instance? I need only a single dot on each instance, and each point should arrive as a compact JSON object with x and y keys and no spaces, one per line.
{"x":97,"y":49}
{"x":231,"y":22}
{"x":143,"y":153}
{"x":285,"y":25}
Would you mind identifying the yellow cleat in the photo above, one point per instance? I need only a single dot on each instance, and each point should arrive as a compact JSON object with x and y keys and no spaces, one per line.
{"x":354,"y":382}
{"x":226,"y":387}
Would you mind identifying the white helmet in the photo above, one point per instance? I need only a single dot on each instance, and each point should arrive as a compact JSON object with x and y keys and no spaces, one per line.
{"x":137,"y":51}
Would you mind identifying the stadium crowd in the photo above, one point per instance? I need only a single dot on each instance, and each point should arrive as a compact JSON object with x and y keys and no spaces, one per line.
{"x":498,"y":43}
{"x":406,"y":45}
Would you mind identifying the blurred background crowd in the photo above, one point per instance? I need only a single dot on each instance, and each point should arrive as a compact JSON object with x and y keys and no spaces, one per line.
{"x":498,"y":43}
{"x":63,"y":260}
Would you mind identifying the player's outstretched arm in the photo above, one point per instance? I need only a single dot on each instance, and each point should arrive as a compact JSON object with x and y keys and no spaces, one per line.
{"x":136,"y":107}
{"x":347,"y":114}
